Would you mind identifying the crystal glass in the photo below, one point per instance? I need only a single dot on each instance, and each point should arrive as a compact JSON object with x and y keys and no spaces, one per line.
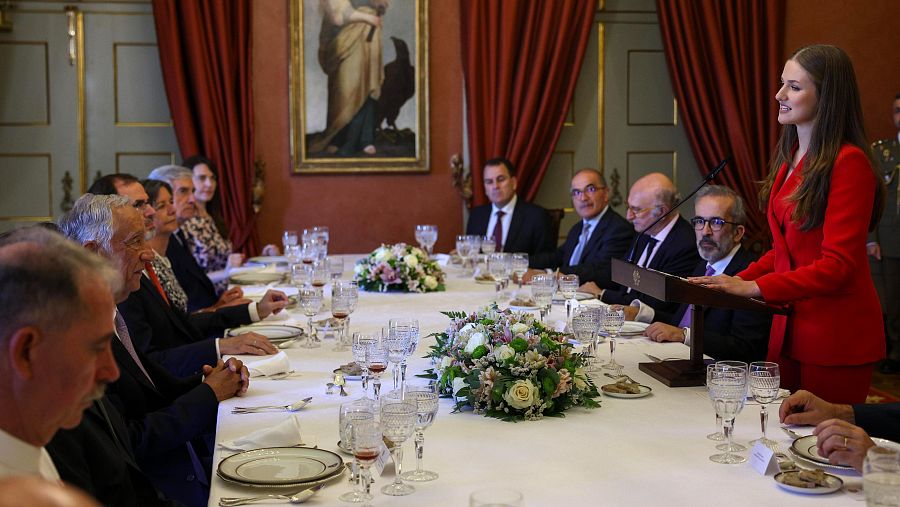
{"x":398,"y":420}
{"x":377,"y":362}
{"x":585,"y":323}
{"x":728,"y":392}
{"x":402,"y":332}
{"x":765,"y":382}
{"x":488,"y":245}
{"x":344,"y":298}
{"x":881,"y":476}
{"x":396,"y":341}
{"x":292,"y":253}
{"x":717,"y":435}
{"x":308,"y":252}
{"x":733,"y":447}
{"x":366,"y":444}
{"x":360,"y":346}
{"x":351,"y":413}
{"x":288,"y":238}
{"x":301,"y":275}
{"x":493,"y":497}
{"x":464,"y":250}
{"x":321,"y":232}
{"x":311,"y":304}
{"x":335,"y":266}
{"x":612,"y":321}
{"x":318,"y":274}
{"x":542,"y":288}
{"x":426,"y":398}
{"x":427,"y":235}
{"x":568,"y":285}
{"x":519,"y":266}
{"x":498,"y":267}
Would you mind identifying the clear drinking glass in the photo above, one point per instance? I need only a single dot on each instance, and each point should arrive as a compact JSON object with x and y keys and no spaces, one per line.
{"x":568,"y":286}
{"x":344,"y":298}
{"x":367,"y":442}
{"x":351,"y":413}
{"x":518,"y":264}
{"x":292,"y":254}
{"x":498,"y":267}
{"x":361,"y":343}
{"x":488,"y":245}
{"x":396,"y":341}
{"x":311,"y":304}
{"x":335,"y":266}
{"x":881,"y":477}
{"x":464,"y":250}
{"x":765,"y":382}
{"x":321,"y":231}
{"x":728,"y":391}
{"x":612,"y":321}
{"x":318,"y":274}
{"x":542,"y":288}
{"x":410,"y":328}
{"x":427,"y":236}
{"x":585,"y":323}
{"x":733,"y":447}
{"x":301,"y":276}
{"x":426,"y":398}
{"x":288,"y":238}
{"x":377,"y":361}
{"x":398,"y":420}
{"x":718,"y":436}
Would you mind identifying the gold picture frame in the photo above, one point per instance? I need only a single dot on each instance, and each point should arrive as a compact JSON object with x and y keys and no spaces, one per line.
{"x":326,"y":136}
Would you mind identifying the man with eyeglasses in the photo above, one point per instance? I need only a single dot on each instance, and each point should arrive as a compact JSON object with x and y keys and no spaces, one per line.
{"x":515,"y":225}
{"x":600,"y":235}
{"x":668,"y":246}
{"x":728,"y":334}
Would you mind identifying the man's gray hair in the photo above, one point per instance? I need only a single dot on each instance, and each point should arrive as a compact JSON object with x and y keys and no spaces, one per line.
{"x":40,"y":278}
{"x":170,"y":173}
{"x":91,"y":218}
{"x":738,"y":210}
{"x":667,"y":197}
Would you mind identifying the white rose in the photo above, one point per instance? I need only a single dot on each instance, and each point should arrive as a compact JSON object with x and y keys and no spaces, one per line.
{"x":521,"y":395}
{"x":504,"y":352}
{"x":458,"y":383}
{"x":381,"y":253}
{"x":411,"y":260}
{"x":465,"y":329}
{"x":518,"y":327}
{"x":475,"y":340}
{"x":418,"y":252}
{"x":359,"y":269}
{"x":446,"y":362}
{"x":430,"y":282}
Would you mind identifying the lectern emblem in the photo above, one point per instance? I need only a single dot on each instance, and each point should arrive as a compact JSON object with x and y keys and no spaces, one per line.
{"x":636,"y":277}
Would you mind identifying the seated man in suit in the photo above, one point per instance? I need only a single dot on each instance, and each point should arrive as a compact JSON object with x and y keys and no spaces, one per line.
{"x":168,"y":419}
{"x":600,"y":235}
{"x":668,"y":246}
{"x":728,"y":334}
{"x":516,"y":226}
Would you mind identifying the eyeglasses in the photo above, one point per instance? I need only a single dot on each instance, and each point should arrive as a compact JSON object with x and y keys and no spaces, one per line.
{"x":589,"y":190}
{"x":639,"y":211}
{"x":138,"y":205}
{"x":715,"y":223}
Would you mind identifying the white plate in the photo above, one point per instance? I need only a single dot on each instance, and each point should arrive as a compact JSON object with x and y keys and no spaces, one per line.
{"x":256,"y":278}
{"x":292,"y":485}
{"x":268,"y":259}
{"x":645,"y":391}
{"x":524,"y":308}
{"x":805,"y":447}
{"x":275,"y":333}
{"x":632,"y":328}
{"x":579,"y":296}
{"x":834,"y":483}
{"x":280,"y":465}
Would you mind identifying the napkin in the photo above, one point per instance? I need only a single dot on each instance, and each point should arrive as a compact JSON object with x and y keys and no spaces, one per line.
{"x":256,"y":292}
{"x":283,"y":434}
{"x":278,"y":363}
{"x":441,"y":259}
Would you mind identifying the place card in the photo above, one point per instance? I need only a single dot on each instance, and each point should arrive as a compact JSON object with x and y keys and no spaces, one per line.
{"x":384,"y":456}
{"x":762,"y":459}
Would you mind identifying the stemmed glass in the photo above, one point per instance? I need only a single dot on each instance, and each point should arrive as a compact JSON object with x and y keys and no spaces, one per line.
{"x":612,"y":321}
{"x":353,"y":413}
{"x":519,"y":266}
{"x":377,"y":360}
{"x":292,"y":254}
{"x":728,"y":392}
{"x":396,"y":341}
{"x":568,"y":285}
{"x":344,"y":298}
{"x":464,"y":250}
{"x":488,"y":245}
{"x":733,"y":447}
{"x":585,"y":324}
{"x":360,"y":348}
{"x":318,"y":273}
{"x":335,"y":266}
{"x":367,"y":442}
{"x":426,"y":399}
{"x":718,"y":436}
{"x":409,"y":327}
{"x":311,"y":304}
{"x":321,"y":231}
{"x":398,"y":420}
{"x":498,"y":267}
{"x":300,"y":275}
{"x":288,"y":238}
{"x":765,"y":381}
{"x":542,"y":287}
{"x":427,"y":236}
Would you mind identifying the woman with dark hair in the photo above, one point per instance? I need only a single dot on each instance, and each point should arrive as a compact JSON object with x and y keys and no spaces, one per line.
{"x":821,"y":196}
{"x":160,"y":197}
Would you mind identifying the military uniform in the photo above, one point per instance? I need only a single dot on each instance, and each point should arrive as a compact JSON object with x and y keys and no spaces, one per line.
{"x":886,"y":273}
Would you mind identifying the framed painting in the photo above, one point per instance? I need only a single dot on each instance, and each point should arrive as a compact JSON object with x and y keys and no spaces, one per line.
{"x":359,"y":86}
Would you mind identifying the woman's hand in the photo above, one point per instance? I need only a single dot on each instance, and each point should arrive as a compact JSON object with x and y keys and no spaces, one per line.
{"x":730,"y":284}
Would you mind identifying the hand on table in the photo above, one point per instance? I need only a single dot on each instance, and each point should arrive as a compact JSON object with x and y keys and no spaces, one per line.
{"x":805,"y":408}
{"x":272,"y":302}
{"x":730,"y":284}
{"x":247,"y":343}
{"x":231,"y":297}
{"x":842,"y":443}
{"x":660,"y":332}
{"x":227,"y":379}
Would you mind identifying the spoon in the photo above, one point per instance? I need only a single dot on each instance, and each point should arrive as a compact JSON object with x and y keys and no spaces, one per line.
{"x":299,"y":497}
{"x":290,"y":408}
{"x":281,"y":376}
{"x":287,"y":343}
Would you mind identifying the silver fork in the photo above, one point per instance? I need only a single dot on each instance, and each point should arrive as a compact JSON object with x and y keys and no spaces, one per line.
{"x":298,"y":497}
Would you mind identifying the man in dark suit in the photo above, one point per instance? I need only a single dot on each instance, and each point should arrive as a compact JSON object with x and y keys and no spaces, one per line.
{"x":515,"y":225}
{"x":727,"y":334}
{"x":668,"y":247}
{"x":600,"y":235}
{"x":166,"y":417}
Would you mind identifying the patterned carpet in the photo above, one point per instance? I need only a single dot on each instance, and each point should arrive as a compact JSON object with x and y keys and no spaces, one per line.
{"x":879,"y":396}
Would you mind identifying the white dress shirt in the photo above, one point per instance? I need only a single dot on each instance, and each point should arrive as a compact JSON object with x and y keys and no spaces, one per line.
{"x":505,"y":221}
{"x":18,"y":457}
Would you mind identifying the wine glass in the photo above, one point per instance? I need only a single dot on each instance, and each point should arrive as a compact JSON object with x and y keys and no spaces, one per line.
{"x":318,"y":274}
{"x":377,"y":360}
{"x":426,"y":399}
{"x":292,"y":254}
{"x":288,"y":238}
{"x":765,"y":382}
{"x":542,"y":287}
{"x":568,"y":285}
{"x":321,"y":231}
{"x":733,"y":447}
{"x":367,"y":442}
{"x":301,"y":275}
{"x":427,"y":236}
{"x":519,"y":265}
{"x":398,"y":420}
{"x":396,"y":341}
{"x":311,"y":304}
{"x":464,"y":249}
{"x":307,"y":252}
{"x":344,"y":298}
{"x":488,"y":246}
{"x":352,"y":413}
{"x":728,"y":392}
{"x":717,"y":435}
{"x":612,"y":321}
{"x":585,"y":324}
{"x":409,"y":328}
{"x":361,"y":343}
{"x":498,"y":267}
{"x":335,"y":266}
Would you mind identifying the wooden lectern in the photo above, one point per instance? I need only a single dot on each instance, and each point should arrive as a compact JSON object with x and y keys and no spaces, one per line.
{"x":666,"y":287}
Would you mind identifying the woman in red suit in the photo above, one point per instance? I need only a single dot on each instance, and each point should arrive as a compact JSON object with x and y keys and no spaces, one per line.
{"x":822,"y":196}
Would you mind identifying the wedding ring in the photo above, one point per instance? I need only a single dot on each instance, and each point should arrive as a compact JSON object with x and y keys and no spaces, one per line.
{"x":845,"y":441}
{"x":254,"y":344}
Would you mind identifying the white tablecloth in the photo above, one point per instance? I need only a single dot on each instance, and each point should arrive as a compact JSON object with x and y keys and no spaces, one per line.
{"x":647,"y":451}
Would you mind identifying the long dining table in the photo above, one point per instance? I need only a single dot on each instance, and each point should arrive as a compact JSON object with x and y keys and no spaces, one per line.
{"x":645,"y":451}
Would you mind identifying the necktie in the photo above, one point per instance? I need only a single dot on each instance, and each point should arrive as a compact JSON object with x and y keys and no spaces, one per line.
{"x":155,"y":279}
{"x":651,"y":245}
{"x":582,"y":242}
{"x":125,"y":338}
{"x":498,"y":231}
{"x":687,"y":318}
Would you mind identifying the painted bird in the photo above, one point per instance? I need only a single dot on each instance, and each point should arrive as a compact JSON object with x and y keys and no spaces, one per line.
{"x":398,"y":87}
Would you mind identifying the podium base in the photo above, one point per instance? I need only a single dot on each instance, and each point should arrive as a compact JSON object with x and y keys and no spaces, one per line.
{"x":676,"y":373}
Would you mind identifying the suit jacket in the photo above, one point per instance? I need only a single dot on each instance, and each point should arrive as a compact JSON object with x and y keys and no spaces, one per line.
{"x":880,"y":420}
{"x":676,"y":255}
{"x":610,"y":238}
{"x":171,"y":338}
{"x":162,"y":419}
{"x":199,"y":288}
{"x":823,"y":272}
{"x":529,"y":228}
{"x":887,"y":234}
{"x":96,"y":457}
{"x":729,"y":334}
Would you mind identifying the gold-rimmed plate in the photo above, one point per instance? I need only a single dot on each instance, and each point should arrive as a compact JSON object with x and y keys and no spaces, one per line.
{"x":833,"y":483}
{"x":272,"y":466}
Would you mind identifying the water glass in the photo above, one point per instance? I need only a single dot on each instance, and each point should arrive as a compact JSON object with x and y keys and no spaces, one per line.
{"x":728,"y":392}
{"x":584,"y":325}
{"x":733,"y":447}
{"x":426,"y":236}
{"x":301,"y":275}
{"x":464,"y":250}
{"x":488,"y":245}
{"x":396,"y":341}
{"x":335,"y":266}
{"x":377,"y":361}
{"x":311,"y":304}
{"x":519,"y":266}
{"x":344,"y":298}
{"x":718,"y":436}
{"x":542,"y":288}
{"x":765,"y":382}
{"x":318,"y":273}
{"x":360,"y":348}
{"x":366,"y":444}
{"x":403,"y":331}
{"x":612,"y":321}
{"x":493,"y":497}
{"x":881,"y":477}
{"x":498,"y":267}
{"x":568,"y":285}
{"x":426,"y":398}
{"x":288,"y":238}
{"x":398,"y":420}
{"x":292,"y":254}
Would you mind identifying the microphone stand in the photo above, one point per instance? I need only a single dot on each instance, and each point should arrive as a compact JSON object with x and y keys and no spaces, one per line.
{"x":709,"y":177}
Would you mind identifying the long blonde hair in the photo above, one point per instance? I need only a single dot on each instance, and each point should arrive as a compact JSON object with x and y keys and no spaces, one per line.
{"x":838,"y":121}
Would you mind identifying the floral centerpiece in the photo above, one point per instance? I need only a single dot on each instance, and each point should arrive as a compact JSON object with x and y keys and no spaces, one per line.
{"x":399,"y":268}
{"x":508,"y":365}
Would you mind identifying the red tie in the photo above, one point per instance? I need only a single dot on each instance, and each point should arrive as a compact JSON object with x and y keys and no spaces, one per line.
{"x":498,"y":231}
{"x":155,"y":280}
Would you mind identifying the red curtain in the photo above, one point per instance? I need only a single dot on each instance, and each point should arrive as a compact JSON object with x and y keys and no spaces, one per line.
{"x":520,"y":62}
{"x":204,"y":48}
{"x":725,"y":61}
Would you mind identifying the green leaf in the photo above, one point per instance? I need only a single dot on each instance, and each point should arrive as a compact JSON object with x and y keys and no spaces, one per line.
{"x":519,"y":345}
{"x":479,"y":352}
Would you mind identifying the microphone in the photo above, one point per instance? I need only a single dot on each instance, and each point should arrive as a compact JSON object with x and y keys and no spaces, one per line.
{"x":709,"y":177}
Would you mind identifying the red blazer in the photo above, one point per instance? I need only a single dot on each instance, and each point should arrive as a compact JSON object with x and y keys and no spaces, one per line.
{"x":823,"y":273}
